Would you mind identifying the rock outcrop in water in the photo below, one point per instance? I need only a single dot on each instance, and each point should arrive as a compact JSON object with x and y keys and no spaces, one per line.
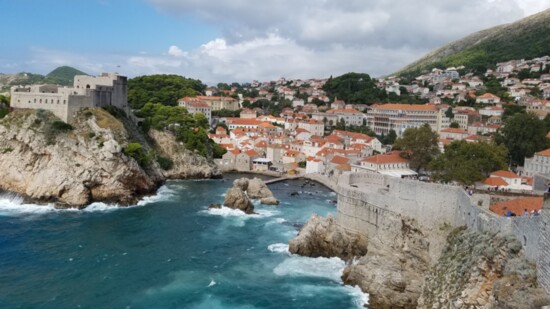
{"x":321,"y":237}
{"x":48,"y":161}
{"x":244,"y":189}
{"x":237,"y":198}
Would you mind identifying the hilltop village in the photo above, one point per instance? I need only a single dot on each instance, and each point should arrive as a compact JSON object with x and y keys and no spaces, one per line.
{"x":315,"y":133}
{"x":303,"y":127}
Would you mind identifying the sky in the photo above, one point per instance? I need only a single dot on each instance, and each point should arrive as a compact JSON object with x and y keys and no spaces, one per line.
{"x":239,"y":40}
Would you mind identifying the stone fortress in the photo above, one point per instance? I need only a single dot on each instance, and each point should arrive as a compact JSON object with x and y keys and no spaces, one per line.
{"x":373,"y":205}
{"x":107,"y":89}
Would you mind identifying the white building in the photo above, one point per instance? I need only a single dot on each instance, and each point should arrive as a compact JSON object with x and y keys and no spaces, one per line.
{"x":382,"y":118}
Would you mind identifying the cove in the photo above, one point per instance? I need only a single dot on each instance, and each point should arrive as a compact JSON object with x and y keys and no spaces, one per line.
{"x":169,"y":251}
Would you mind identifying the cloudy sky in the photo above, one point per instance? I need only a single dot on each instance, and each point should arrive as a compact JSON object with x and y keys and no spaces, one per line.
{"x":239,"y":40}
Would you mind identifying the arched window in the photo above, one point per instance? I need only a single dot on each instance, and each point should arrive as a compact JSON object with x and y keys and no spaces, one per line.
{"x":87,"y":86}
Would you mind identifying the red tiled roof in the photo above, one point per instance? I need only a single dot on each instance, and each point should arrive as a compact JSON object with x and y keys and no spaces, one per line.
{"x":390,"y":157}
{"x":518,"y":206}
{"x":454,"y":130}
{"x":505,"y":174}
{"x":339,"y":160}
{"x":545,"y":153}
{"x":495,"y":182}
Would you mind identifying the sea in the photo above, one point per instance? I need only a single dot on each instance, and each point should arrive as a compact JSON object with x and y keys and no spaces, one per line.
{"x":169,"y":251}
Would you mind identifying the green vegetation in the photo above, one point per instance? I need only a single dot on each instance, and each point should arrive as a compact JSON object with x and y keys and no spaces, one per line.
{"x":4,"y":106}
{"x":525,"y":39}
{"x":136,"y":151}
{"x":163,"y":89}
{"x":165,"y":163}
{"x":523,"y":135}
{"x":189,"y":130}
{"x":62,"y":75}
{"x":419,"y":145}
{"x":354,"y":88}
{"x":468,"y":163}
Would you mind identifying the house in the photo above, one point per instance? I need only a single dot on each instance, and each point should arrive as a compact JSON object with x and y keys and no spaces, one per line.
{"x":243,"y":162}
{"x":229,"y":159}
{"x":492,"y":111}
{"x":538,"y":164}
{"x":338,"y":104}
{"x":195,"y":107}
{"x":314,"y":165}
{"x":487,"y":98}
{"x":390,"y":163}
{"x":546,"y":92}
{"x":505,"y":180}
{"x":453,"y":134}
{"x":247,"y":113}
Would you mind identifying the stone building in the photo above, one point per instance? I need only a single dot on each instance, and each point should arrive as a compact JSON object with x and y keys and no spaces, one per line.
{"x":382,"y":118}
{"x":197,"y":106}
{"x":107,"y":89}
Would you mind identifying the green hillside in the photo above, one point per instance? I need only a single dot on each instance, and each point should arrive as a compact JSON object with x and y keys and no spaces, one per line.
{"x":525,"y":39}
{"x":62,"y":75}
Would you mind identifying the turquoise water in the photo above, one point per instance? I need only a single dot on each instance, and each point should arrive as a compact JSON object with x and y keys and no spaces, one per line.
{"x":168,"y":252}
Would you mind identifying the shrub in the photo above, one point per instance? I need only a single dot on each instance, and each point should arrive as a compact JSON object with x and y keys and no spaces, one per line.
{"x":61,"y":126}
{"x":136,"y":151}
{"x":165,"y":163}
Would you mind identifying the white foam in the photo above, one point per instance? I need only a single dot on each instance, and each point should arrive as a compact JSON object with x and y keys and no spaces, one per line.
{"x":230,"y":212}
{"x":299,"y":266}
{"x":280,"y":220}
{"x":360,"y":298}
{"x":278,"y":248}
{"x":163,"y":193}
{"x":12,"y":205}
{"x":212,"y":283}
{"x":99,"y":206}
{"x":332,"y":194}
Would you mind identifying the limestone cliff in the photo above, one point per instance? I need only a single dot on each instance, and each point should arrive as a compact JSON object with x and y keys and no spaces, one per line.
{"x":47,"y":160}
{"x":481,"y":271}
{"x":393,"y":270}
{"x":186,"y":164}
{"x":398,"y":269}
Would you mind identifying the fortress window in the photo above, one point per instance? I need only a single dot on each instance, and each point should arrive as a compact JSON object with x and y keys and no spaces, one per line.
{"x":40,"y":100}
{"x":57,"y":101}
{"x":87,"y":86}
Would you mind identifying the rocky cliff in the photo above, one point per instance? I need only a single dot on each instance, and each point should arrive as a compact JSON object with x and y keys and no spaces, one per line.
{"x":481,"y":271}
{"x":47,"y":160}
{"x":397,"y":267}
{"x":186,"y":164}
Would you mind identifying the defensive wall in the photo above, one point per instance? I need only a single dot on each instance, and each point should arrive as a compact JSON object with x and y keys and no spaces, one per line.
{"x":371,"y":204}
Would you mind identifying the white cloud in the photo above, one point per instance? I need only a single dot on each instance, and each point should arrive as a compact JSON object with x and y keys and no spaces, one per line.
{"x":301,"y":39}
{"x":267,"y":39}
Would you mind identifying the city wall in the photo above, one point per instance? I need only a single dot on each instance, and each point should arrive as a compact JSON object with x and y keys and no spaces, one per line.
{"x":371,"y":204}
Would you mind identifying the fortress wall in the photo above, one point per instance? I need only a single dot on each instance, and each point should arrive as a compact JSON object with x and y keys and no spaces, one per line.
{"x":543,"y":258}
{"x":368,"y":204}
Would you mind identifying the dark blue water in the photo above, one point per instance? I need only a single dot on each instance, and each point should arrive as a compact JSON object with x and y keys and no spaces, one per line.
{"x":168,"y":252}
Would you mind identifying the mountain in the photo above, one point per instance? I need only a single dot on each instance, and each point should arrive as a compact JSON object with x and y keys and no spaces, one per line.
{"x":524,"y":39}
{"x":62,"y":75}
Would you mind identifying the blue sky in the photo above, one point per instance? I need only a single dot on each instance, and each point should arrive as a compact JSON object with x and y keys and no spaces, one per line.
{"x":239,"y":40}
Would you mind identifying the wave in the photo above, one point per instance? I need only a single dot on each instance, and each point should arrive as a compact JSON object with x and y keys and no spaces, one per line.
{"x":12,"y":204}
{"x":212,"y":283}
{"x":278,"y":248}
{"x":230,"y":212}
{"x":299,"y":266}
{"x":163,"y":193}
